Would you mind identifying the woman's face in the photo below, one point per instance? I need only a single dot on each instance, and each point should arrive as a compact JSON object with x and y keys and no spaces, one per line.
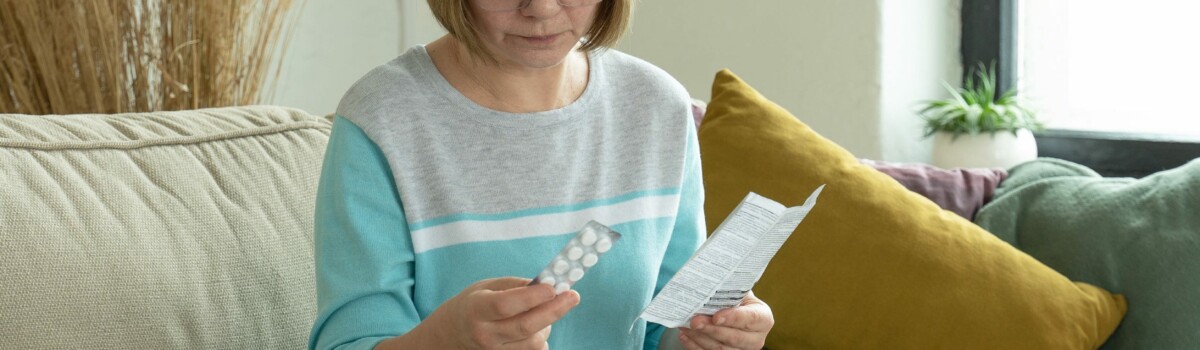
{"x":537,"y":36}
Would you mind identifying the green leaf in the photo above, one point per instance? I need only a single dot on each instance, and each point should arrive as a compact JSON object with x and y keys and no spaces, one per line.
{"x":976,"y":108}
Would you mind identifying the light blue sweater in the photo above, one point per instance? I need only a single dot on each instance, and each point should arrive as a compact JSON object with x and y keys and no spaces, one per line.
{"x":424,"y":192}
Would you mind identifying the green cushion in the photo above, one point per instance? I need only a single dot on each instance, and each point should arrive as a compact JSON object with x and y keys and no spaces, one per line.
{"x":173,"y":230}
{"x":1140,"y":238}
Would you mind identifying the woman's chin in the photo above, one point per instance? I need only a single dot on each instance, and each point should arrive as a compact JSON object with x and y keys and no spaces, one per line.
{"x":539,"y":59}
{"x":537,"y":52}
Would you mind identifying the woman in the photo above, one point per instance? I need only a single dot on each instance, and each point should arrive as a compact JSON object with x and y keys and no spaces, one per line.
{"x":459,"y":169}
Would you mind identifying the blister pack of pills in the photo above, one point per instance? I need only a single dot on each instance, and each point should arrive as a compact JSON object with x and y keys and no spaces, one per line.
{"x":580,"y":254}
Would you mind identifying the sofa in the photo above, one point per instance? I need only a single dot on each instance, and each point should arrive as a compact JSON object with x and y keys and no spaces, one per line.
{"x":174,"y":230}
{"x":192,"y":229}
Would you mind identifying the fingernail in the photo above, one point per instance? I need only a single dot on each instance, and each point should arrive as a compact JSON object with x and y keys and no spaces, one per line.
{"x":700,"y":326}
{"x":720,"y":321}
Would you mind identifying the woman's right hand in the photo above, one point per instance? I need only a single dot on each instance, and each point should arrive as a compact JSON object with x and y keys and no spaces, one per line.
{"x":498,"y":313}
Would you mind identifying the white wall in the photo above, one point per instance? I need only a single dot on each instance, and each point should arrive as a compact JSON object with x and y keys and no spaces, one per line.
{"x":920,"y":51}
{"x":816,"y":58}
{"x":853,"y":70}
{"x":419,"y":25}
{"x":335,"y":43}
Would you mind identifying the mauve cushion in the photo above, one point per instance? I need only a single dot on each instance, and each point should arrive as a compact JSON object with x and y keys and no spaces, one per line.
{"x":698,"y":109}
{"x":960,"y":190}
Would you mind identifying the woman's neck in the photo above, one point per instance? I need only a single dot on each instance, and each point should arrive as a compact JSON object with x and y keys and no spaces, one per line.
{"x":507,"y":87}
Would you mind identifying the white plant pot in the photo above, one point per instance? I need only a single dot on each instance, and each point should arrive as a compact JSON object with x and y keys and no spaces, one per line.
{"x":1000,"y":150}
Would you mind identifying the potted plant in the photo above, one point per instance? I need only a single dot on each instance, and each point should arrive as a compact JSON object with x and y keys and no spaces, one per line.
{"x":974,"y":128}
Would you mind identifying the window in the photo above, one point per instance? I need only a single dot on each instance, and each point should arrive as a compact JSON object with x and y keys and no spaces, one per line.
{"x":1113,"y":80}
{"x":1111,"y":65}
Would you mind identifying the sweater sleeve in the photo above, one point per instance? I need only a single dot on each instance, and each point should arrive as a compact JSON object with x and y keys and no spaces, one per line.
{"x":363,"y":251}
{"x":689,"y":231}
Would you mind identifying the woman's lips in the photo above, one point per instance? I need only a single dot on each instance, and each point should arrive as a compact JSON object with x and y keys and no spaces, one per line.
{"x":540,"y":40}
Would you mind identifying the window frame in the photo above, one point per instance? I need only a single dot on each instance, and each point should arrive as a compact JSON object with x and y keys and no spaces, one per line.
{"x":989,"y":36}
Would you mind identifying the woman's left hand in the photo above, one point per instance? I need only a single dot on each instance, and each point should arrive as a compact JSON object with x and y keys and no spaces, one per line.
{"x":741,"y":327}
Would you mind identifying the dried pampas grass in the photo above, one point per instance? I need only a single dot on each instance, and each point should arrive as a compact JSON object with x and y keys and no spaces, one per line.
{"x":112,"y":56}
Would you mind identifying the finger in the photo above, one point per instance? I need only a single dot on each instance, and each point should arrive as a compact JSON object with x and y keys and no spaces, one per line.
{"x":737,"y":338}
{"x":501,"y":283}
{"x":698,"y":324}
{"x":544,"y":337}
{"x":701,"y":340}
{"x":754,"y":317}
{"x":527,"y":324}
{"x":502,"y":304}
{"x":537,"y":341}
{"x":687,"y":342}
{"x":700,"y":321}
{"x":544,"y":334}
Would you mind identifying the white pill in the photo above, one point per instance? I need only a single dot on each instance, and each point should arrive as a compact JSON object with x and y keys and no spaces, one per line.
{"x":561,"y":266}
{"x":561,"y":287}
{"x":574,"y":253}
{"x":548,"y":280}
{"x":603,"y":245}
{"x":590,"y":259}
{"x":588,"y":236}
{"x":575,"y":275}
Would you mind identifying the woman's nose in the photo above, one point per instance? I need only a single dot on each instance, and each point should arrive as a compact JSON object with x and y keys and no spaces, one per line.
{"x":542,"y":8}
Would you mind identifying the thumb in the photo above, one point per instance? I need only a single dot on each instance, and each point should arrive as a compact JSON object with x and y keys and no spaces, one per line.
{"x":502,"y":283}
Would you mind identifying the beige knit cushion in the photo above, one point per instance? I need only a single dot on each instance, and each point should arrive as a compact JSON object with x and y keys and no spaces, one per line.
{"x":180,"y":230}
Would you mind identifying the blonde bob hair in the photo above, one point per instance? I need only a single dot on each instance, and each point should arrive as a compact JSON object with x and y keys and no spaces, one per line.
{"x":612,"y":19}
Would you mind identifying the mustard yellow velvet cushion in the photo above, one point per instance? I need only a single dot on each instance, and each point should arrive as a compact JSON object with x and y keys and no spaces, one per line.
{"x":875,"y":266}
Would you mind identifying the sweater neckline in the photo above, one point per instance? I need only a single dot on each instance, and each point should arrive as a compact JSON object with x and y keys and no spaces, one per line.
{"x":480,"y":114}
